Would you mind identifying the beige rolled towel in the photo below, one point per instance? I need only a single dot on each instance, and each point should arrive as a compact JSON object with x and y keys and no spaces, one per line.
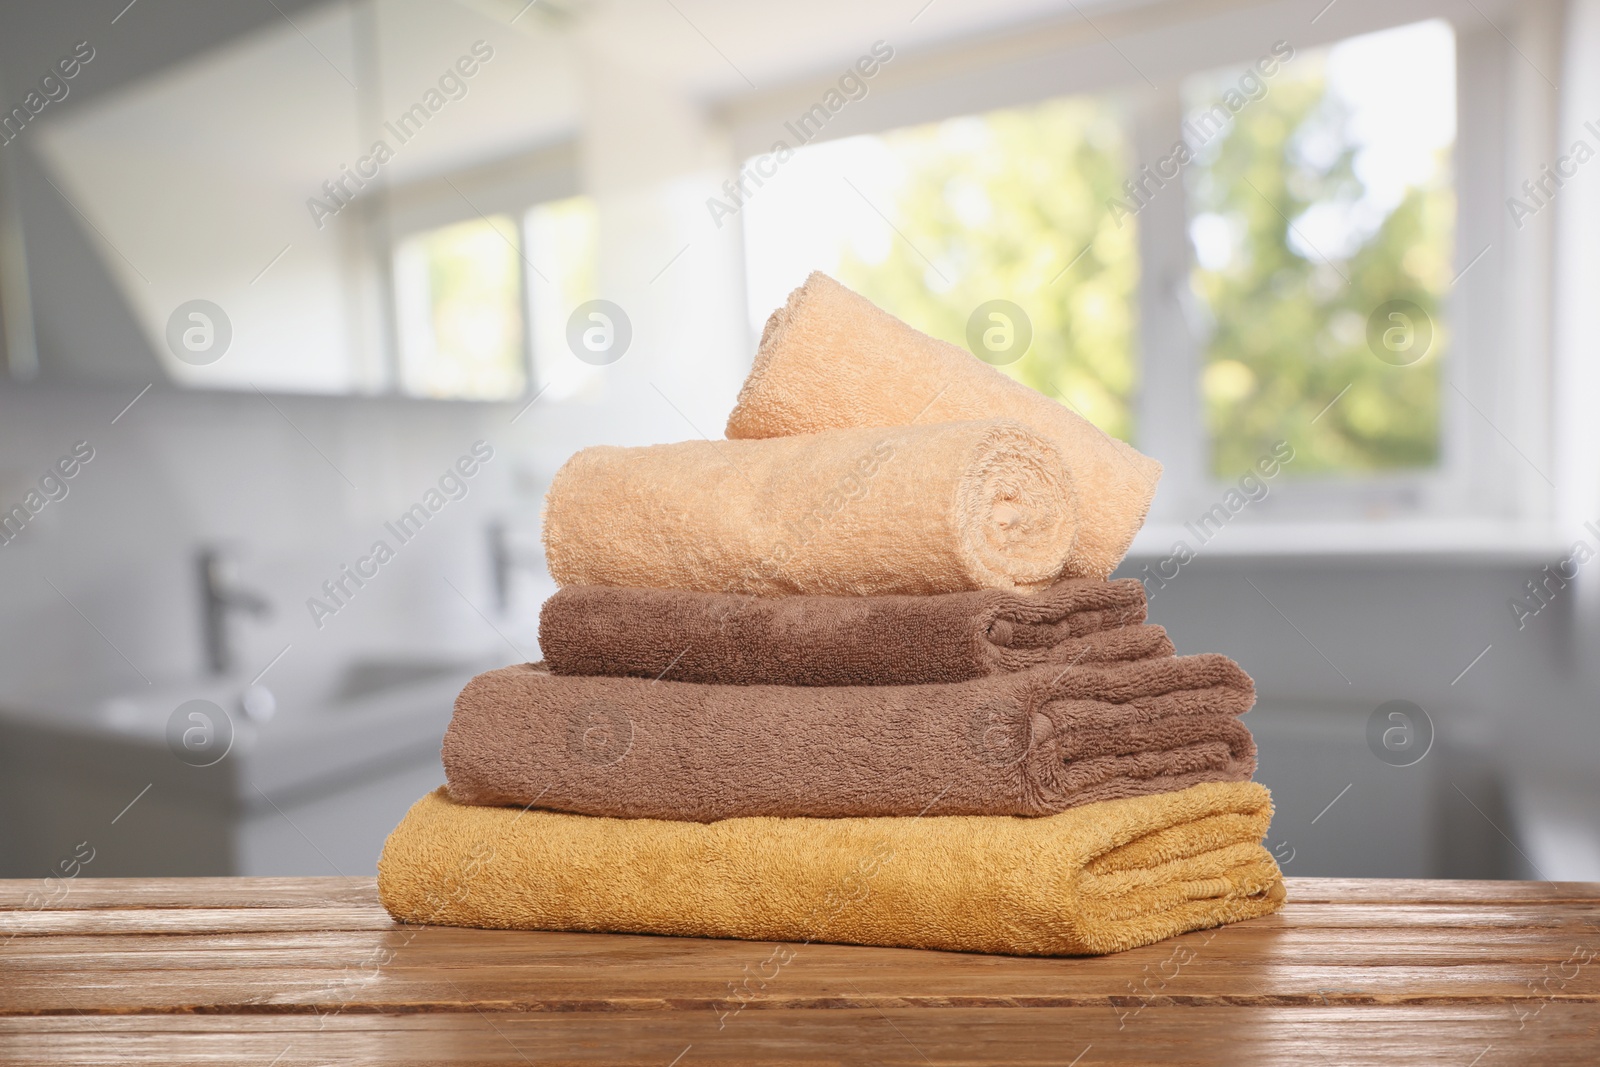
{"x":831,"y":358}
{"x":900,"y":509}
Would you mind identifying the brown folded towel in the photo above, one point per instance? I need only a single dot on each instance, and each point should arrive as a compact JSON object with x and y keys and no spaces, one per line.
{"x":1029,"y":743}
{"x":725,"y":638}
{"x":874,"y":510}
{"x":830,"y":358}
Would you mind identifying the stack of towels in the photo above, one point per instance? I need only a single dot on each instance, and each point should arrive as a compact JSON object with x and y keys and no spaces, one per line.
{"x":854,"y":674}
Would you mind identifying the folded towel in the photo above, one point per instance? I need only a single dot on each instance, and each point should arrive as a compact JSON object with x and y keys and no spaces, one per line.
{"x":1092,"y":880}
{"x":730,"y":639}
{"x":830,"y":358}
{"x":1030,"y":743}
{"x":905,"y":509}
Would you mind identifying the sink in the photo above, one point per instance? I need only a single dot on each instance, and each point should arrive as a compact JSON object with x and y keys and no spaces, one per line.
{"x":283,"y":733}
{"x":301,"y":701}
{"x":365,"y":677}
{"x":318,"y":760}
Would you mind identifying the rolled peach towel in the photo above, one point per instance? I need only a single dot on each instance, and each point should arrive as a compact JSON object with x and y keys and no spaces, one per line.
{"x":1030,"y":743}
{"x":735,"y":639}
{"x":870,"y":510}
{"x":830,"y":358}
{"x":1092,"y":880}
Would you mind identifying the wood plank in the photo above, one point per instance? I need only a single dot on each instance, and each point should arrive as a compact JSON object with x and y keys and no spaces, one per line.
{"x":190,"y":920}
{"x":124,"y":893}
{"x":270,"y":991}
{"x":1324,"y":922}
{"x":349,"y":916}
{"x":207,"y":893}
{"x":1175,"y":1037}
{"x":1436,"y":891}
{"x":425,"y":968}
{"x":1262,"y":941}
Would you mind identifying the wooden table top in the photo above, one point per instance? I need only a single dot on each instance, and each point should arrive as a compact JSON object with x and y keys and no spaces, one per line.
{"x":288,"y":971}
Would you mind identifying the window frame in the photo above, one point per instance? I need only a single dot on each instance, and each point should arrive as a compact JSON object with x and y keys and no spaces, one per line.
{"x":512,"y":187}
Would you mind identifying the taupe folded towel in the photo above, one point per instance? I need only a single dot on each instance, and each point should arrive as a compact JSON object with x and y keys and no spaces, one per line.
{"x":830,"y":358}
{"x":725,"y":638}
{"x":867,"y":511}
{"x":1029,"y":743}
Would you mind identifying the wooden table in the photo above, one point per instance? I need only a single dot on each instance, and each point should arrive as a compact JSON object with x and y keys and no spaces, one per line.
{"x":284,"y":971}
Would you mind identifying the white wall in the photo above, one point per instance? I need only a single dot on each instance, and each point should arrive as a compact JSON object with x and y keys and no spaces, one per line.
{"x":181,"y":469}
{"x":1522,"y":725}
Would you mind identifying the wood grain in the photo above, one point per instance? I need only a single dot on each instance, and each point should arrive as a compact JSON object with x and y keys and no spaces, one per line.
{"x":302,"y":971}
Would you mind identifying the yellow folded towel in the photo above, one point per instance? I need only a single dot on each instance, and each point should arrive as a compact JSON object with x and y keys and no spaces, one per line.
{"x":901,"y":509}
{"x":831,"y":358}
{"x":1095,"y":879}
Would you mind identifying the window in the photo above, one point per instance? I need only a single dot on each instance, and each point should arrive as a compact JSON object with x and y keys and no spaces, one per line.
{"x":481,"y":303}
{"x":562,"y":237}
{"x":459,"y":309}
{"x":1322,"y":217}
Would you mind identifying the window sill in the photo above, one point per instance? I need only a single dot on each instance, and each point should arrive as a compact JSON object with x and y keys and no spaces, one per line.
{"x":1409,"y":541}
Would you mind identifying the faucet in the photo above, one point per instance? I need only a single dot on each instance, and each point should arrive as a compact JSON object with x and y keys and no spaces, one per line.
{"x":503,"y":560}
{"x":218,"y":597}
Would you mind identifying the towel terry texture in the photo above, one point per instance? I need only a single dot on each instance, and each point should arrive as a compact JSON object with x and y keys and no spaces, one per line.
{"x":730,"y":639}
{"x":1084,"y":882}
{"x":1029,"y":743}
{"x":830,"y":358}
{"x":904,"y":509}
